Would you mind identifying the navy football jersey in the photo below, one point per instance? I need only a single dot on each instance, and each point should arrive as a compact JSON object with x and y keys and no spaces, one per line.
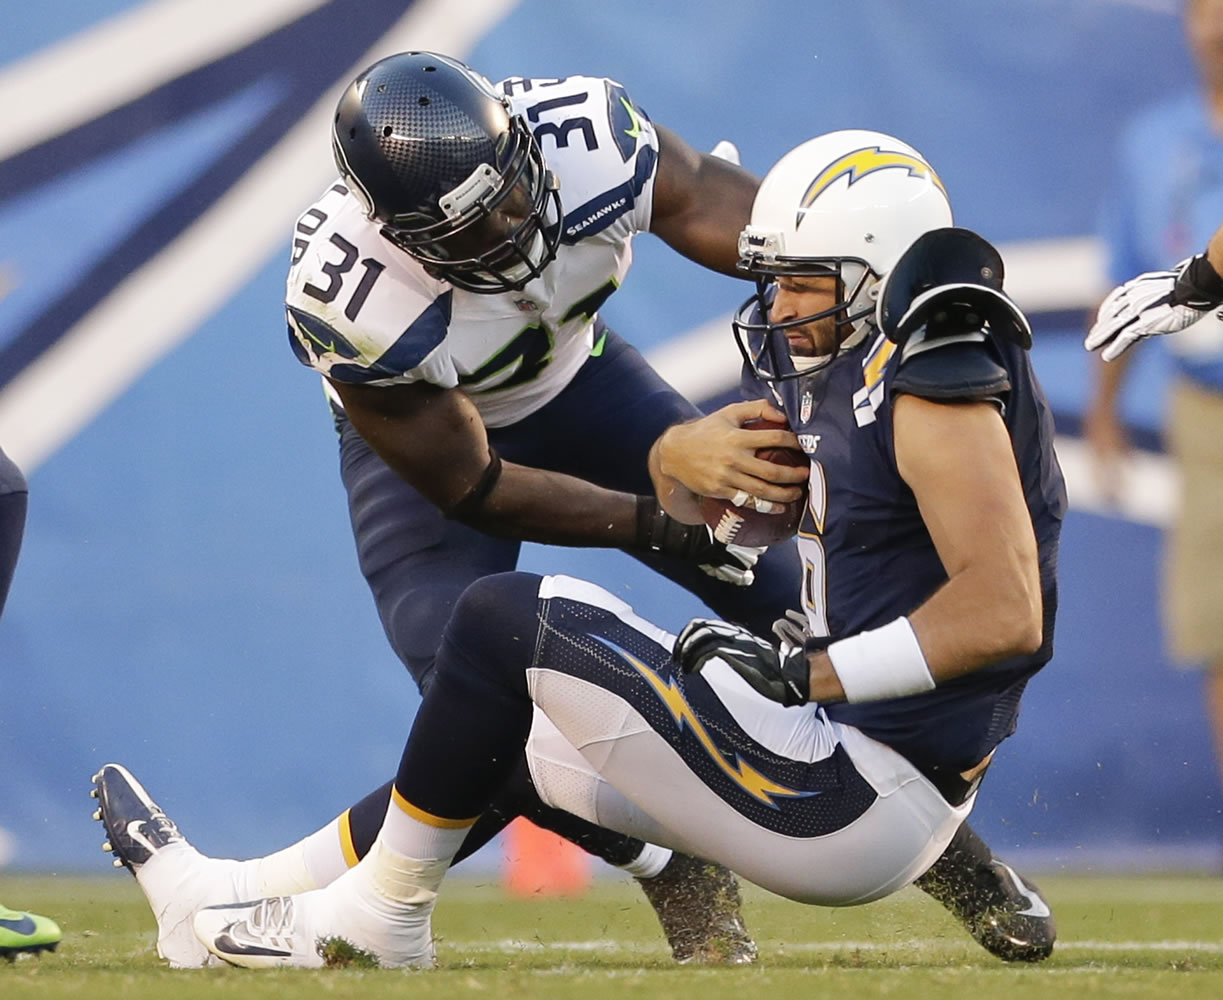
{"x":868,"y":558}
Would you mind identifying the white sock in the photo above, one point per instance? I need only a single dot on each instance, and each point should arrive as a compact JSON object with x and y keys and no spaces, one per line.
{"x":311,"y":863}
{"x":414,"y":848}
{"x":650,"y":862}
{"x":415,"y":833}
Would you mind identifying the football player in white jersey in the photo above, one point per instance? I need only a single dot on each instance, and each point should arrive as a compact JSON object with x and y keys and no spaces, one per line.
{"x":447,"y":287}
{"x":837,"y":802}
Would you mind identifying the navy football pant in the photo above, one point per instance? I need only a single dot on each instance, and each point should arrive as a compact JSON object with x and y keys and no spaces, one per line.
{"x":13,"y":495}
{"x":600,"y":428}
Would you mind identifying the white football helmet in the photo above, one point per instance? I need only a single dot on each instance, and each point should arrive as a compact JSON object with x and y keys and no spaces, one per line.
{"x":846,"y":204}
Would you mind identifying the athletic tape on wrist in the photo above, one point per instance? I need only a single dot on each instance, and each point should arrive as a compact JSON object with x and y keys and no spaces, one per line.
{"x":885,"y":662}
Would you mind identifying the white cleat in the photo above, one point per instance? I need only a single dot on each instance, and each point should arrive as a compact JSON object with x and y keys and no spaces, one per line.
{"x":294,"y":931}
{"x":176,"y":879}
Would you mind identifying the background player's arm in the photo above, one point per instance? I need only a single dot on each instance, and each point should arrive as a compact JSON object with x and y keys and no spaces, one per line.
{"x":701,"y":203}
{"x":958,"y":461}
{"x":434,"y":438}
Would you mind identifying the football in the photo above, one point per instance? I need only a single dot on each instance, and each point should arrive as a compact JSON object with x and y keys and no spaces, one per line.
{"x":744,"y":525}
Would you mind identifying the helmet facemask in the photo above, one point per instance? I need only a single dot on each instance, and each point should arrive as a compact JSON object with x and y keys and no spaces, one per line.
{"x":514,"y":258}
{"x":763,"y":343}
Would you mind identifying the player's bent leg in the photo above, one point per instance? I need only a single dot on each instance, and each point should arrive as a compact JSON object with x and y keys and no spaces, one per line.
{"x":416,"y":562}
{"x":802,"y":806}
{"x":383,"y":905}
{"x":1003,"y":911}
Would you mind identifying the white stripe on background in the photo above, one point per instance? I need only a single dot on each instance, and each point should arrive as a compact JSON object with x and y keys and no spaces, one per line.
{"x":167,"y":300}
{"x":89,"y":74}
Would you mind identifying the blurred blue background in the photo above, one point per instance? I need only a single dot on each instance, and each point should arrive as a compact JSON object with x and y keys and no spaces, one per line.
{"x":188,"y":600}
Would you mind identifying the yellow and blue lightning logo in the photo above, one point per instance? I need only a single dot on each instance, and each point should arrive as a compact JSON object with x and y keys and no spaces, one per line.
{"x":861,"y":163}
{"x":756,"y":785}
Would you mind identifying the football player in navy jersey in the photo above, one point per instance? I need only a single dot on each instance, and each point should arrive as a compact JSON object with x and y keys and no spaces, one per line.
{"x":835,"y":765}
{"x":19,"y":932}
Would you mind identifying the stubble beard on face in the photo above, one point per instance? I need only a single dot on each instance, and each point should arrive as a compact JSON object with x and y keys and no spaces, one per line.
{"x":818,"y":339}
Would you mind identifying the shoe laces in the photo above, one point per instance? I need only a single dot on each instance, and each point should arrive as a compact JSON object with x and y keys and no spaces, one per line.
{"x":272,"y":917}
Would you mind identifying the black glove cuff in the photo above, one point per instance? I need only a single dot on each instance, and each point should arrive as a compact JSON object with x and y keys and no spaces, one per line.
{"x":1199,"y":285}
{"x":658,"y":531}
{"x":816,"y":643}
{"x":796,"y":672}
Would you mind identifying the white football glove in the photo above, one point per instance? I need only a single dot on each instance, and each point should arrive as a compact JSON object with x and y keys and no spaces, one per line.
{"x":792,"y":629}
{"x":737,"y":564}
{"x":1142,"y":307}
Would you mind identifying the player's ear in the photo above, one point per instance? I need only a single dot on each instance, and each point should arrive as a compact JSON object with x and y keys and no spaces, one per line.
{"x":950,"y":281}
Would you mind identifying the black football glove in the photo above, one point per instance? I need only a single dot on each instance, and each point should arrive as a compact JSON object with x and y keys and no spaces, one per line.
{"x":658,"y":531}
{"x":780,"y":674}
{"x":1198,"y":285}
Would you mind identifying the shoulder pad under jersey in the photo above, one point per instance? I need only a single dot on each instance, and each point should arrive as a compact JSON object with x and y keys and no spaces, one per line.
{"x":948,"y":369}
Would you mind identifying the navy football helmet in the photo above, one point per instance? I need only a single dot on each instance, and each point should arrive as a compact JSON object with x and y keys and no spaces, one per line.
{"x":456,"y":180}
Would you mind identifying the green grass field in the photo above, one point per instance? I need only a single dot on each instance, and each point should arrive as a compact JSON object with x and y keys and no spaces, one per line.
{"x":1137,"y":937}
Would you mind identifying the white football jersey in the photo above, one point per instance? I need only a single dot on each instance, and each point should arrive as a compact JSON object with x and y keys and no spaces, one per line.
{"x":361,"y":310}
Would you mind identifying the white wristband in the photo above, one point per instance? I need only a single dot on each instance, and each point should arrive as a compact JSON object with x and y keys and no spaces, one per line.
{"x":882,"y":663}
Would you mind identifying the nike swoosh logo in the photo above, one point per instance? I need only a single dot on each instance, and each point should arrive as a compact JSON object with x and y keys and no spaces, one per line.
{"x":135,"y":830}
{"x":329,"y":348}
{"x":1036,"y":905}
{"x":303,"y":329}
{"x":230,"y":945}
{"x":25,"y":925}
{"x":635,"y":131}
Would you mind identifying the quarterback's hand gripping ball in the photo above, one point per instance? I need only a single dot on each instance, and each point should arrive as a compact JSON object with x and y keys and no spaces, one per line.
{"x":744,"y":520}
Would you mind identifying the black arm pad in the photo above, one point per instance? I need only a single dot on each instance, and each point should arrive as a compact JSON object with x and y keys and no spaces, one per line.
{"x":473,"y":500}
{"x":658,"y":531}
{"x":959,"y":371}
{"x":1199,"y":285}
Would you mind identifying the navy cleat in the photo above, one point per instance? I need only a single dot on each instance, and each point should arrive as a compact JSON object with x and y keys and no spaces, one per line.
{"x":1003,"y":911}
{"x":699,"y":907}
{"x":176,"y":879}
{"x":136,"y":827}
{"x":26,"y":933}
